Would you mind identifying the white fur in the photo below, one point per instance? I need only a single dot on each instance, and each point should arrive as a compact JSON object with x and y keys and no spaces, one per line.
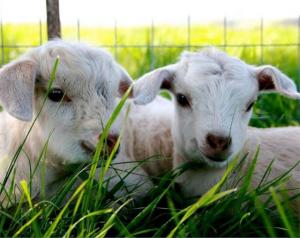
{"x":146,"y":138}
{"x":88,"y":76}
{"x":219,"y":88}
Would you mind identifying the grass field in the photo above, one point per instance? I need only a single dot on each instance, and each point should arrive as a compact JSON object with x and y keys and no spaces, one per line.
{"x":92,"y":213}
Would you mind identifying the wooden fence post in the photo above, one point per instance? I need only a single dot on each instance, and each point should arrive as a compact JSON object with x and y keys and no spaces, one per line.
{"x":53,"y":19}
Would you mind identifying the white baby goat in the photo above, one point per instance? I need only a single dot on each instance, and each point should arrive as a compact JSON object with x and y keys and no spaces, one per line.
{"x":79,"y":104}
{"x":213,"y":94}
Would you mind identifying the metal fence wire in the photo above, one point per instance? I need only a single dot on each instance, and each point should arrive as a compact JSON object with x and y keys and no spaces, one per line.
{"x":188,"y":45}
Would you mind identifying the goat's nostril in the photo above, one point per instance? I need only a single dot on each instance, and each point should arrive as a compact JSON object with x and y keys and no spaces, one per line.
{"x":111,"y":140}
{"x":218,"y":142}
{"x":211,"y":141}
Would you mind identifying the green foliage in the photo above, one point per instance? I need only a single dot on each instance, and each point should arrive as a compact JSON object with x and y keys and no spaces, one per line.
{"x":90,"y":210}
{"x":163,"y":212}
{"x":170,"y":41}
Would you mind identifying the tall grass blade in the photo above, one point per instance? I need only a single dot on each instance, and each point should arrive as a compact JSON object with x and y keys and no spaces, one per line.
{"x":59,"y":217}
{"x":31,"y":221}
{"x":282,"y":213}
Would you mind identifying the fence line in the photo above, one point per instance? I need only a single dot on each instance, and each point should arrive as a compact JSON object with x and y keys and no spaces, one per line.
{"x":151,"y":45}
{"x":41,"y":32}
{"x":152,"y":57}
{"x":2,"y":42}
{"x":298,"y":51}
{"x":261,"y":41}
{"x":189,"y":33}
{"x":176,"y":46}
{"x":225,"y":32}
{"x":115,"y":40}
{"x":78,"y":29}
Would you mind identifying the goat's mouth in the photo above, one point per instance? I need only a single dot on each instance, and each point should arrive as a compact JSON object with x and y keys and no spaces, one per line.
{"x":88,"y":147}
{"x":217,"y":160}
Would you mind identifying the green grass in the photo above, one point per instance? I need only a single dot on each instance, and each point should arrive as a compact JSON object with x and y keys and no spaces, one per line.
{"x":271,"y":110}
{"x":92,"y":211}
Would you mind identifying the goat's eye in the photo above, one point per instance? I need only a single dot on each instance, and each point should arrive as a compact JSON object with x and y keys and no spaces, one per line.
{"x":57,"y":95}
{"x":250,"y":106}
{"x":182,"y":100}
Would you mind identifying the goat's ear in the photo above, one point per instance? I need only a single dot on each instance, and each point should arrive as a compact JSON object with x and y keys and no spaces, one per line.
{"x":17,"y":81}
{"x":270,"y":79}
{"x":125,"y":82}
{"x":148,"y":86}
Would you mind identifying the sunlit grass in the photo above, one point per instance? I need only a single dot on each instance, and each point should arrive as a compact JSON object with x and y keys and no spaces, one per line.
{"x":140,"y":56}
{"x":163,"y":212}
{"x":92,"y":211}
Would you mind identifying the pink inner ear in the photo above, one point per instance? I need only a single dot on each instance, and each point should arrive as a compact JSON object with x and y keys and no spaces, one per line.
{"x":123,"y":87}
{"x":167,"y":80}
{"x":166,"y":84}
{"x":265,"y":82}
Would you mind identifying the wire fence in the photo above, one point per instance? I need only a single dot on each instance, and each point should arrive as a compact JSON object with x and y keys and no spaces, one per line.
{"x":152,"y":45}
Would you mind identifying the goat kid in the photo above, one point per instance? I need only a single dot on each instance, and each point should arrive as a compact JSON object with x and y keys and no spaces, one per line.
{"x":81,"y":99}
{"x":207,"y":122}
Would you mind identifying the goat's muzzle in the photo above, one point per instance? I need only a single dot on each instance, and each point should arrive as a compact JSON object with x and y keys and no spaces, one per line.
{"x":109,"y":144}
{"x":217,"y":147}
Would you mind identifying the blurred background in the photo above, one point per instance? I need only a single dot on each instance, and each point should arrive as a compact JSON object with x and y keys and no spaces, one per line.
{"x":144,"y":34}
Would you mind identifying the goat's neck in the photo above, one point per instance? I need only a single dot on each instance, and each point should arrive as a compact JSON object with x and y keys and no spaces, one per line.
{"x":14,"y":134}
{"x":198,"y":180}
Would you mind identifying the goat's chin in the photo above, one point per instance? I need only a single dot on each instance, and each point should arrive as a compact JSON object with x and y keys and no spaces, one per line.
{"x":214,"y":164}
{"x":199,"y":157}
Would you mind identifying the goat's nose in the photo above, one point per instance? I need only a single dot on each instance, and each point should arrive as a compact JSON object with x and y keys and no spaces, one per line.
{"x":218,"y":143}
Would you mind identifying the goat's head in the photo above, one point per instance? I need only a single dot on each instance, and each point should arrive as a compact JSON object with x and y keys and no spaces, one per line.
{"x":80,"y":101}
{"x":214,"y":94}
